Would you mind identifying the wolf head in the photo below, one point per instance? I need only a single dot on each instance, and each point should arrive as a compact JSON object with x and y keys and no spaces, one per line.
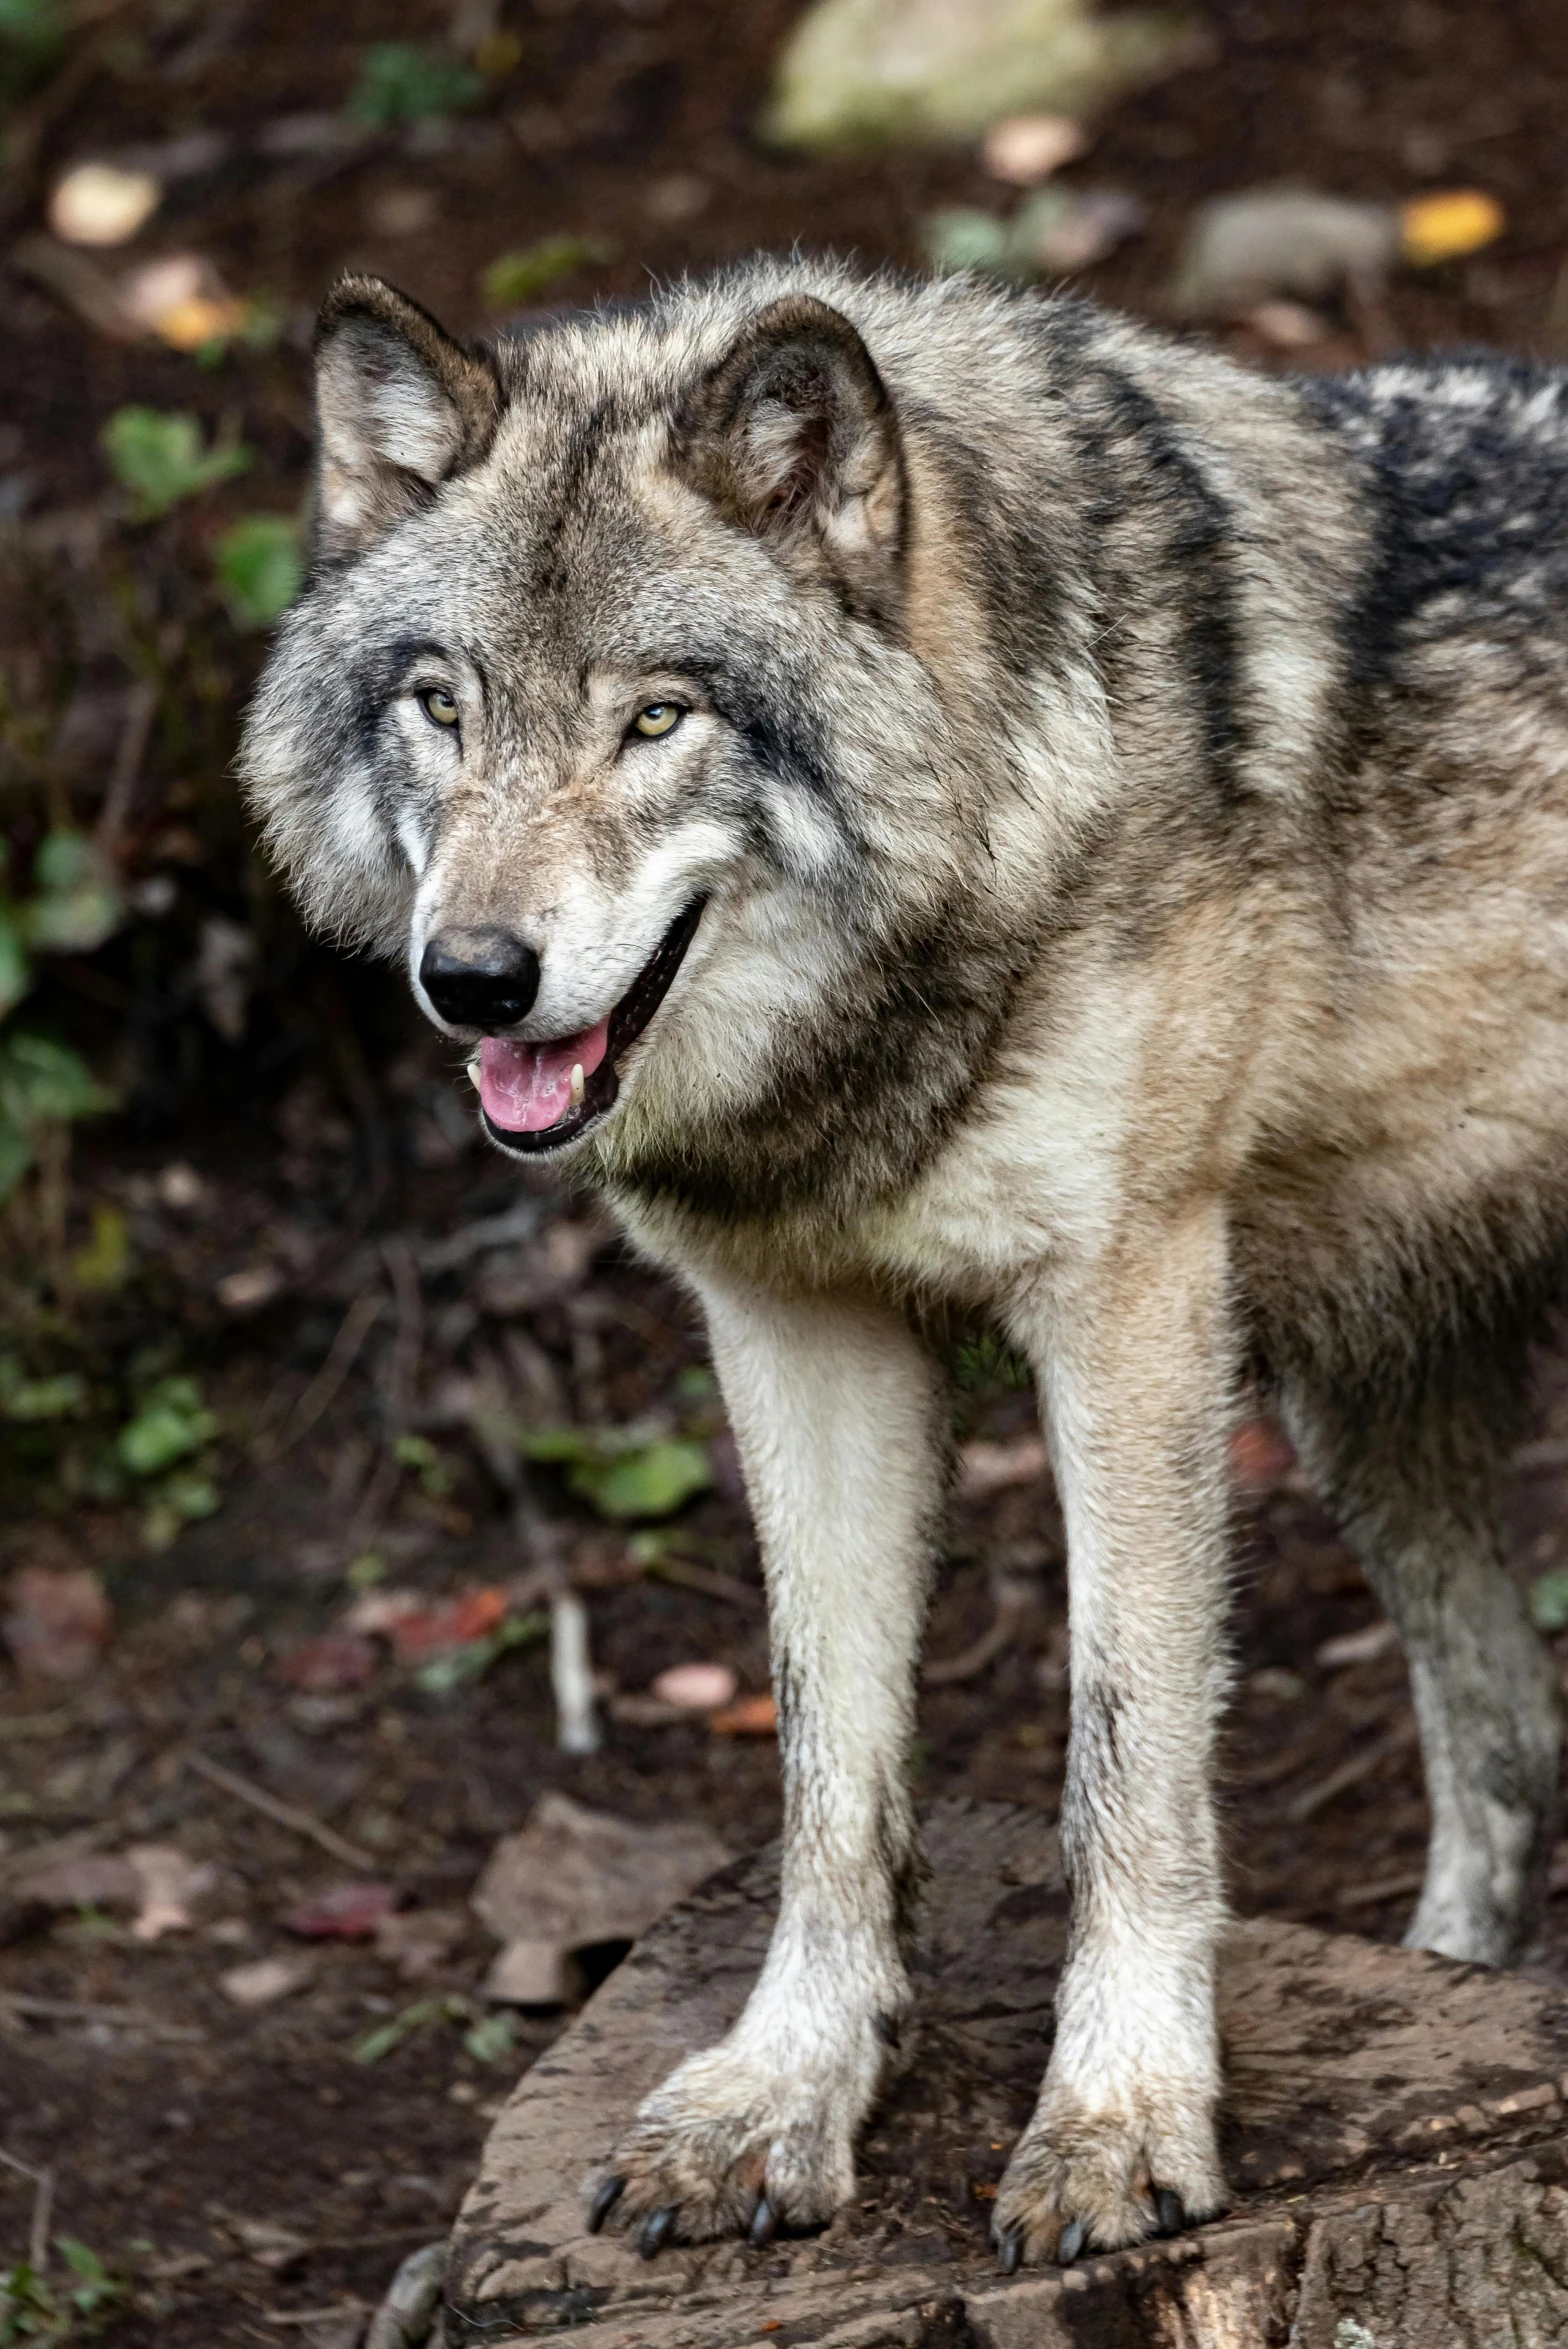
{"x":608,"y":706}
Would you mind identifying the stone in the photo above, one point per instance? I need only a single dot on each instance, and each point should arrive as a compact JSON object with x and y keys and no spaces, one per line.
{"x":1393,"y":2129}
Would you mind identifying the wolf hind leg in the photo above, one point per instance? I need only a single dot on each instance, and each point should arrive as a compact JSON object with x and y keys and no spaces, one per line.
{"x":1415,"y":1485}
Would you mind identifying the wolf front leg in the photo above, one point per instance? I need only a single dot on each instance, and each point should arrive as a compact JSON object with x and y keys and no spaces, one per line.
{"x":837,"y":1410}
{"x":1133,"y":1359}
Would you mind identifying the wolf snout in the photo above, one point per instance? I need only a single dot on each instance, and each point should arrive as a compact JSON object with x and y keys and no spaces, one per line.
{"x":484,"y":979}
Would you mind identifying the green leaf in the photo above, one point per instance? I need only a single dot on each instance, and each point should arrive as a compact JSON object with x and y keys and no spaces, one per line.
{"x":1549,"y":1601}
{"x":41,"y":1080}
{"x":387,"y":2036}
{"x":260,"y":567}
{"x":190,"y":1496}
{"x":653,"y":1481}
{"x":461,"y":1666}
{"x":488,"y":2040}
{"x":399,"y":84}
{"x":33,"y":1399}
{"x":172,"y":1423}
{"x":963,"y":237}
{"x":78,"y":905}
{"x":515,"y":279}
{"x":15,"y":972}
{"x":159,"y":456}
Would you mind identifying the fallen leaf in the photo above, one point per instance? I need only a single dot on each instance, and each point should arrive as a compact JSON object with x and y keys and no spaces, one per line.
{"x":454,"y":1623}
{"x":265,"y":1979}
{"x":695,"y":1688}
{"x":57,"y":1623}
{"x":418,"y":1941}
{"x":100,"y":1880}
{"x":333,"y":1660}
{"x":1289,"y":326}
{"x":97,"y":204}
{"x":270,"y":2245}
{"x":985,"y":1468}
{"x":247,"y":1290}
{"x":1449,"y":224}
{"x":573,"y":1877}
{"x":348,"y":1912}
{"x":754,"y":1716}
{"x":380,"y":1611}
{"x":168,"y":1882}
{"x":1358,"y":1647}
{"x":1027,"y":148}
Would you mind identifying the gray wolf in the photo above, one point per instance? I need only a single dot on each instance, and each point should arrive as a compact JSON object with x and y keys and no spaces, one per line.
{"x":941,"y":802}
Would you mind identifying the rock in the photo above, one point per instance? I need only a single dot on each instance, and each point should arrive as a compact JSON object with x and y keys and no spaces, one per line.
{"x":1283,"y":243}
{"x":867,"y":73}
{"x":406,"y":2315}
{"x":1393,"y":2129}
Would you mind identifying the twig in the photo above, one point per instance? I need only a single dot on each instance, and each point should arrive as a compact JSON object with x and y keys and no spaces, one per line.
{"x":140,"y":710}
{"x":571,"y":1674}
{"x":74,"y":2010}
{"x":1012,"y":1604}
{"x":342,"y":1355}
{"x":315,"y":2316}
{"x":1380,"y":1888}
{"x":1360,"y":1766}
{"x":43,"y":2210}
{"x":707,"y":1579}
{"x":408,"y":1340}
{"x":285,"y":1814}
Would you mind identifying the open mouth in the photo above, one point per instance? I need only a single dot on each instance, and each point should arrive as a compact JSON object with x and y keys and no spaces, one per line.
{"x":537,"y":1096}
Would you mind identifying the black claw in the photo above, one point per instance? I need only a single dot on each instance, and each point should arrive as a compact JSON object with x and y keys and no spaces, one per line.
{"x":656,"y":2231}
{"x":764,"y":2223}
{"x":1010,"y":2251}
{"x":604,"y":2202}
{"x":1072,"y":2242}
{"x":1170,"y":2210}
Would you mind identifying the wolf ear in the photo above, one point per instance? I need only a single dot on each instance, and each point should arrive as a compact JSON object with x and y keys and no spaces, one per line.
{"x":400,"y":407}
{"x":794,"y":438}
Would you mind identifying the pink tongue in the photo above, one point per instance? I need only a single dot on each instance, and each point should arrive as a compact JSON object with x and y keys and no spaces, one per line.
{"x":526,"y":1087}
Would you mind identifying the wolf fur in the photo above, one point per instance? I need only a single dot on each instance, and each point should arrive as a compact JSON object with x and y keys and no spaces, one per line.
{"x":1128,"y":803}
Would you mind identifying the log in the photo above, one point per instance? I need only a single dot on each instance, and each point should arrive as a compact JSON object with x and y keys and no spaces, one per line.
{"x":1394,"y":2128}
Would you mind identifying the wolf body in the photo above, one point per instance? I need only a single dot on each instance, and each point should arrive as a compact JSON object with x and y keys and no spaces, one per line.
{"x":941,"y":802}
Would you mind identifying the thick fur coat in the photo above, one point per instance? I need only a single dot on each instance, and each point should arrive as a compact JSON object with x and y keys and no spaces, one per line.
{"x":942,"y":802}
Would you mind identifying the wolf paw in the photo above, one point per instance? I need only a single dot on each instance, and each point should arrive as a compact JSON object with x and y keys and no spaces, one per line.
{"x":729,"y":2145}
{"x":1083,"y":2180}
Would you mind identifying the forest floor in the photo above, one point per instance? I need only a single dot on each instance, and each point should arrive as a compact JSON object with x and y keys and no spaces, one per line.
{"x":293,"y":1211}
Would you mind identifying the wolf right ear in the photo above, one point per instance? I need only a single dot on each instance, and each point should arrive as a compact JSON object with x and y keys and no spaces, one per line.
{"x":400,"y":407}
{"x":794,"y":438}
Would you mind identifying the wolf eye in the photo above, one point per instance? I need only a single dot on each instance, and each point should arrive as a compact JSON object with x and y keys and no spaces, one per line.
{"x":660,"y":717}
{"x":439,"y":706}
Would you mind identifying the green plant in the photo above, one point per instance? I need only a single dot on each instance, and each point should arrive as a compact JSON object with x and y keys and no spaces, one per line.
{"x":42,"y":1084}
{"x":624,"y":1474}
{"x":33,"y":2310}
{"x":260,"y":567}
{"x":160,"y":456}
{"x":399,"y":84}
{"x":487,"y":2037}
{"x":460,"y":1666}
{"x":516,"y":279}
{"x":172,"y":1422}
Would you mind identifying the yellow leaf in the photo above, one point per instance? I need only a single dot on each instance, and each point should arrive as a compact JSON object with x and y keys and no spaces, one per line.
{"x":1451,"y":223}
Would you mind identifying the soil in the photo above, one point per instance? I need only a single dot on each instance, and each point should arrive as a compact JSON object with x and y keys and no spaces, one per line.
{"x":326,"y":1151}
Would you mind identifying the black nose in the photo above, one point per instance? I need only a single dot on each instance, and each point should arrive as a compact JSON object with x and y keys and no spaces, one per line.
{"x":491,"y":983}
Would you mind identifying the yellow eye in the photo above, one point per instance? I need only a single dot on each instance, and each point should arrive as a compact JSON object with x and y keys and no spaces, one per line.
{"x":660,"y":717}
{"x":439,"y":706}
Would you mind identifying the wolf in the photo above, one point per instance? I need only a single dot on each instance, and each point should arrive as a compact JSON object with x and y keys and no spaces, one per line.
{"x":941,"y":802}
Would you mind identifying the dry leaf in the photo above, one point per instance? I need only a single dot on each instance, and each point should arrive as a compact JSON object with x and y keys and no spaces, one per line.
{"x":96,"y":204}
{"x":754,"y":1716}
{"x":348,"y":1912}
{"x":695,"y":1688}
{"x":57,"y":1623}
{"x":334,"y":1660}
{"x":1446,"y":226}
{"x":265,"y":1979}
{"x":1027,"y":148}
{"x":167,"y":1884}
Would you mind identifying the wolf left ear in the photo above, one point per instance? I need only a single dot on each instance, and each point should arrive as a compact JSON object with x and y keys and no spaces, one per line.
{"x":400,"y":407}
{"x":794,"y":438}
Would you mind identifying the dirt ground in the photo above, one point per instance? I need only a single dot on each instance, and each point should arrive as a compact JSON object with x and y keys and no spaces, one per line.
{"x":307,"y":1225}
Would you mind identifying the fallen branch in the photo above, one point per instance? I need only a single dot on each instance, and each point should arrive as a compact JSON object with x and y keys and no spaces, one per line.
{"x":285,"y":1814}
{"x":74,"y":2010}
{"x":342,"y":1355}
{"x":1012,"y":1605}
{"x":1371,"y":1895}
{"x":1352,"y":1773}
{"x":43,"y":2207}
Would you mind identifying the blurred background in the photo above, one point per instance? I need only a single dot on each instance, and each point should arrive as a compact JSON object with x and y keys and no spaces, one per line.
{"x":357,"y":1493}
